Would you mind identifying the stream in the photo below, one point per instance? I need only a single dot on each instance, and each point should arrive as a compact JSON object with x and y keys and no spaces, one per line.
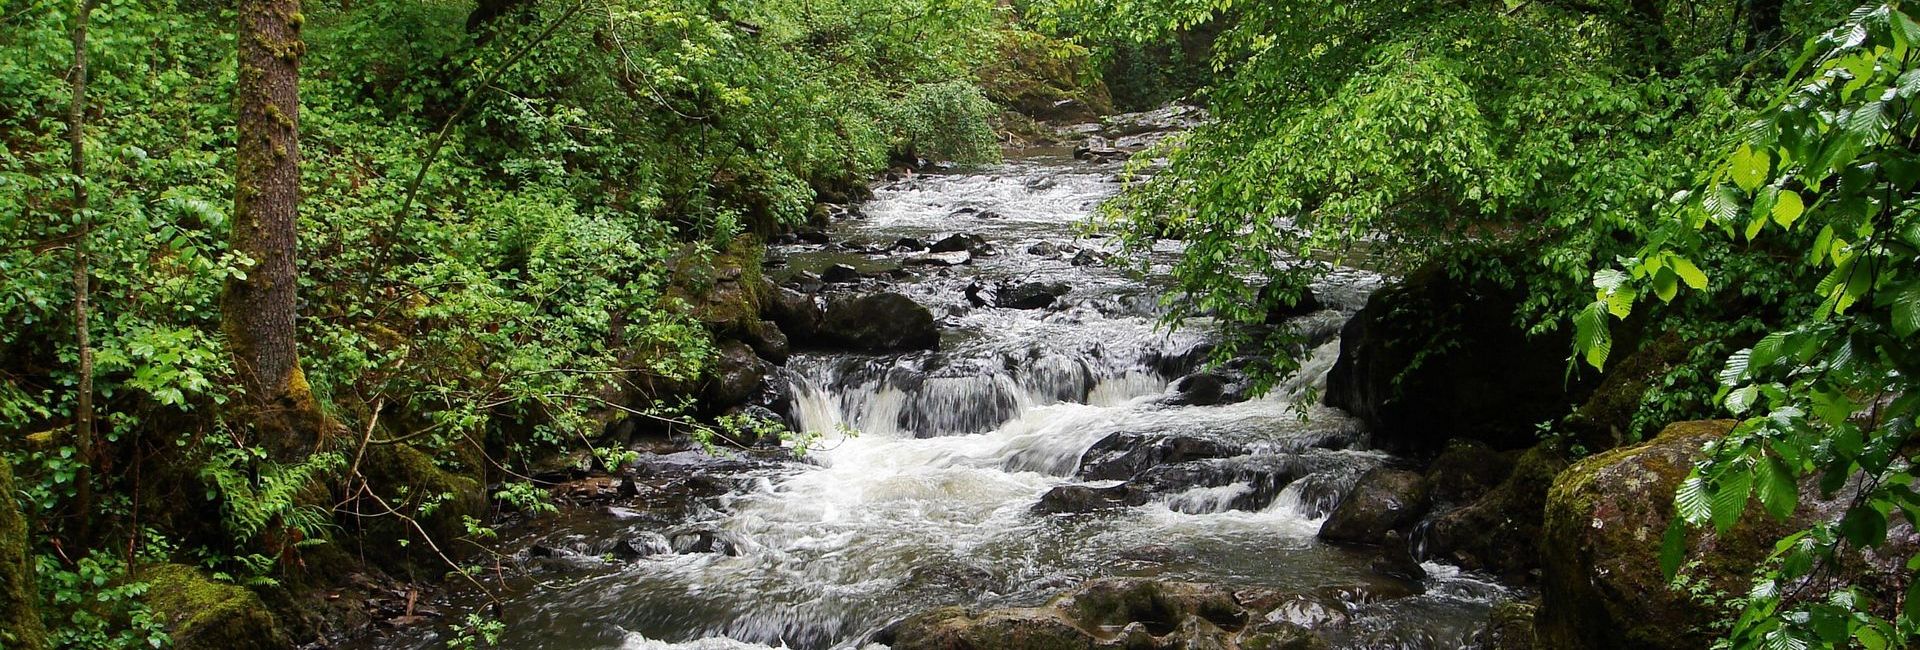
{"x":922,"y":491}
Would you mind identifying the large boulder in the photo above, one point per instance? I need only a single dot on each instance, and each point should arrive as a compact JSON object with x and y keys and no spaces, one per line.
{"x":1601,"y":583}
{"x":20,"y":625}
{"x":201,"y":614}
{"x":1127,"y":455}
{"x":1437,"y":357}
{"x":735,"y":376}
{"x":1383,"y":500}
{"x":881,"y":322}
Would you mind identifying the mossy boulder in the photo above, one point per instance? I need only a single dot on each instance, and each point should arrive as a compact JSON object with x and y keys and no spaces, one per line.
{"x":1499,"y":532}
{"x":725,"y":289}
{"x":1416,"y":364}
{"x":201,"y":614}
{"x":1601,"y":584}
{"x":1467,"y":470}
{"x":20,"y":625}
{"x":734,"y":377}
{"x":437,"y":497}
{"x":1383,"y":500}
{"x":1606,"y":419}
{"x":1509,"y":627}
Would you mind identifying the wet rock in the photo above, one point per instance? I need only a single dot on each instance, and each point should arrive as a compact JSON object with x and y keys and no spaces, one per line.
{"x":909,"y":244}
{"x":957,"y":628}
{"x":1396,"y":559}
{"x":1499,"y":532}
{"x":840,"y":274}
{"x":881,"y":322}
{"x":1453,"y":328}
{"x":813,"y":237}
{"x":1098,"y":149}
{"x":1041,"y":183}
{"x":1090,"y":257}
{"x":768,"y":341}
{"x":1045,"y":249}
{"x":1107,"y":614}
{"x":1127,"y":455}
{"x":734,"y":378}
{"x":1383,"y":500}
{"x":1086,"y":498}
{"x":1029,"y":295}
{"x":797,"y":314}
{"x":960,"y":243}
{"x":955,"y":258}
{"x":1288,"y":304}
{"x":643,"y":545}
{"x":979,"y":295}
{"x":1198,"y":389}
{"x":201,"y":614}
{"x":704,"y":540}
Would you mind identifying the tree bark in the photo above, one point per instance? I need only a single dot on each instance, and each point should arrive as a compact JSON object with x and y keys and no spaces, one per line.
{"x":82,"y":272}
{"x":259,"y":311}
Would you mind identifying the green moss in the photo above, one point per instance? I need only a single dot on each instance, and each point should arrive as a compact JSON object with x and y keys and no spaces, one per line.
{"x":20,"y":625}
{"x":438,"y":498}
{"x":201,"y":614}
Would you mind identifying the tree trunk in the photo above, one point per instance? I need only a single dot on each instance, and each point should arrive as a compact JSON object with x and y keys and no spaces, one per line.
{"x":82,"y":273}
{"x":258,"y":311}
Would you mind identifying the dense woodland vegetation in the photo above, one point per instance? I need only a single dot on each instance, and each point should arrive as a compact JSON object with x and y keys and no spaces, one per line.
{"x":510,"y":214}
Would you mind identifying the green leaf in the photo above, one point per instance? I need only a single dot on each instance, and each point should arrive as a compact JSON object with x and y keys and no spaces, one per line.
{"x":1778,"y":490}
{"x":1666,"y":284}
{"x":1590,"y":335}
{"x":1692,"y":502}
{"x":1906,"y":310}
{"x":1864,"y":526}
{"x":1730,"y":497}
{"x":1688,"y":273}
{"x":1673,"y":547}
{"x":1739,"y":401}
{"x":1788,"y":208}
{"x":1749,"y":168}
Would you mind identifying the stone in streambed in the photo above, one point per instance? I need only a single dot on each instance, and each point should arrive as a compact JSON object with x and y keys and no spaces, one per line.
{"x":1029,"y":295}
{"x":881,"y":322}
{"x":1383,"y":500}
{"x":1127,"y":455}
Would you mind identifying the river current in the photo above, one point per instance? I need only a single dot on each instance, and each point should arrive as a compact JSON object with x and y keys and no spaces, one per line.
{"x":921,"y":492}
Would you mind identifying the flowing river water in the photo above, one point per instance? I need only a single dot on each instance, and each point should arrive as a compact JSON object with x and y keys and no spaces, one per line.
{"x":922,"y":492}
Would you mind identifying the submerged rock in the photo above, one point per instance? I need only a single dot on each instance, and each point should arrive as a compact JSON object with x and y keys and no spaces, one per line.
{"x":955,"y":258}
{"x":840,"y":274}
{"x":963,"y":243}
{"x":1383,"y":500}
{"x":1086,"y":498}
{"x":1199,"y":389}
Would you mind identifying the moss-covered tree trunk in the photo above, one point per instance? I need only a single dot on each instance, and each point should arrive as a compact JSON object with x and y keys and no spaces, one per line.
{"x":258,"y":310}
{"x":20,"y":626}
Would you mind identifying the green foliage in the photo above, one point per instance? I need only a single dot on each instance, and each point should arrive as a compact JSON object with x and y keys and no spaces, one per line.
{"x":1827,"y":177}
{"x":947,"y":121}
{"x":94,"y":603}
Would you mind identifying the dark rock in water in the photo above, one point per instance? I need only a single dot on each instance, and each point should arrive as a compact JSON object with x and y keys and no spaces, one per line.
{"x":814,"y":237}
{"x":1041,"y":183}
{"x":1099,"y":149}
{"x":840,"y":274}
{"x":1198,"y":389}
{"x":797,"y":314}
{"x":1030,"y":295}
{"x":1127,"y":455}
{"x":1601,"y":583}
{"x":1455,"y":329}
{"x":704,"y":541}
{"x":989,"y":214}
{"x":1384,"y":500}
{"x":1044,"y":249}
{"x":1090,"y":257}
{"x":980,"y":296}
{"x":643,"y":545}
{"x":908,"y":244}
{"x":1396,"y":559}
{"x":734,"y":377}
{"x":1304,"y":302}
{"x":881,"y":322}
{"x":1499,"y":532}
{"x":974,"y":244}
{"x":1086,"y":498}
{"x":955,"y":258}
